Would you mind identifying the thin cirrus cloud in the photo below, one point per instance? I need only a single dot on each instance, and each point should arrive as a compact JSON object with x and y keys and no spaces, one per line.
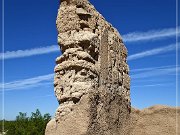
{"x":152,"y":52}
{"x":150,"y":35}
{"x":29,"y":52}
{"x":28,"y":83}
{"x":47,"y":80}
{"x":131,"y":37}
{"x":155,"y":72}
{"x":152,"y":85}
{"x":44,"y":96}
{"x":151,"y":68}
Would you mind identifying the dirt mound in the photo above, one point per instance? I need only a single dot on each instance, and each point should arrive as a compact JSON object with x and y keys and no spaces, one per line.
{"x":156,"y":120}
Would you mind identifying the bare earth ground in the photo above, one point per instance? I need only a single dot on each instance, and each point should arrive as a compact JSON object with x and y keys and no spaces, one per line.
{"x":156,"y":120}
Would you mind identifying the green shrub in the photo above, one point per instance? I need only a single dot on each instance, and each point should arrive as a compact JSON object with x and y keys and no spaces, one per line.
{"x":23,"y":125}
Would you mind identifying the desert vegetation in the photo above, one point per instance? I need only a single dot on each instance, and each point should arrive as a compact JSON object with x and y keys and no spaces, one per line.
{"x":24,"y":125}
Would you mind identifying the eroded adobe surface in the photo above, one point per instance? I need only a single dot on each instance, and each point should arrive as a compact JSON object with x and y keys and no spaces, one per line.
{"x":92,"y":82}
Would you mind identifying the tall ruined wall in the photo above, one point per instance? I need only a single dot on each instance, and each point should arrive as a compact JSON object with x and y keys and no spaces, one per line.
{"x":91,"y":82}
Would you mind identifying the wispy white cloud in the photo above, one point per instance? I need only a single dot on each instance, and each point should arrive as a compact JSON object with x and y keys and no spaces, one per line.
{"x":29,"y":52}
{"x":131,"y":37}
{"x":28,"y":83}
{"x":155,"y":72}
{"x":47,"y":80}
{"x":151,"y":68}
{"x":45,"y":96}
{"x":152,"y":52}
{"x":150,"y":35}
{"x":152,"y":85}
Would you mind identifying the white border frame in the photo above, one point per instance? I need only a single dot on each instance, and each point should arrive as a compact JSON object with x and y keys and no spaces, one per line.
{"x":3,"y":66}
{"x":177,"y":79}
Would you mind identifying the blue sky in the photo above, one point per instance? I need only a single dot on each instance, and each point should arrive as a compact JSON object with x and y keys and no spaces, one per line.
{"x":148,"y":30}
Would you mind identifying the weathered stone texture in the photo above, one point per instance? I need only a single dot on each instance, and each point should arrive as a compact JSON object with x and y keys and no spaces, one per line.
{"x":92,"y":82}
